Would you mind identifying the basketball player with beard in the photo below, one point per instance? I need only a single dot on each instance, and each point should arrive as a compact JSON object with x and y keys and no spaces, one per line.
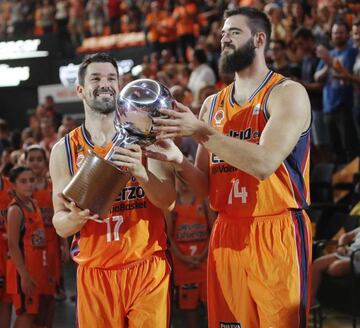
{"x":123,"y":273}
{"x":253,"y":163}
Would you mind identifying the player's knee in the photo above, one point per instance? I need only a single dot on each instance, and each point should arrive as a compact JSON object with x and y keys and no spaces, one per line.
{"x":339,"y":268}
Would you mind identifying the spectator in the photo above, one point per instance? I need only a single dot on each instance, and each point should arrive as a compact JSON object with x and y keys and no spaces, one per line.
{"x":62,"y":15}
{"x":305,"y":41}
{"x":49,"y":106}
{"x":201,"y":75}
{"x":356,"y":70}
{"x":47,"y":17}
{"x":17,"y":19}
{"x":280,"y":62}
{"x":274,"y":12}
{"x":76,"y":21}
{"x":49,"y":136}
{"x":167,"y":31}
{"x":113,"y":7}
{"x":185,"y":15}
{"x":152,"y":26}
{"x":337,"y":95}
{"x":335,"y":264}
{"x":96,"y":14}
{"x":322,"y":28}
{"x":6,"y":164}
{"x":4,"y":135}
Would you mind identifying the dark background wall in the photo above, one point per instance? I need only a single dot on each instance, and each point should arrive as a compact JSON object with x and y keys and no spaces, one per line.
{"x":15,"y":102}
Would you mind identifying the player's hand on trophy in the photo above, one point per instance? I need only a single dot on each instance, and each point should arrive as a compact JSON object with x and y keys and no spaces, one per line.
{"x":130,"y":158}
{"x":180,"y":122}
{"x":164,"y":150}
{"x":76,"y":213}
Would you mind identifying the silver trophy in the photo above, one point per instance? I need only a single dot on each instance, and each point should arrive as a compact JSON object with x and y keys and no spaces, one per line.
{"x":98,"y":181}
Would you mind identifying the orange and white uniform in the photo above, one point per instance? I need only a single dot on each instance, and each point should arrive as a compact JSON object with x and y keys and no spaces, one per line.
{"x":5,"y":200}
{"x":32,"y":243}
{"x":43,"y":199}
{"x":260,"y":248}
{"x":123,"y":274}
{"x":191,"y":232}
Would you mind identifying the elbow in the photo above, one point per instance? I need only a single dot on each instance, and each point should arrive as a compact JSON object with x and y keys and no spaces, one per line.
{"x":263,"y":169}
{"x":60,"y":232}
{"x":262,"y":174}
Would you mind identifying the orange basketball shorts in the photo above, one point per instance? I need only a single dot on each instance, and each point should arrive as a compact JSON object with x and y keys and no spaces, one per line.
{"x":136,"y":295}
{"x":259,"y":271}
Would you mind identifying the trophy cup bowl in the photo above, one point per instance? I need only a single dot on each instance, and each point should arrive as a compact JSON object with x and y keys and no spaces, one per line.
{"x":98,"y":182}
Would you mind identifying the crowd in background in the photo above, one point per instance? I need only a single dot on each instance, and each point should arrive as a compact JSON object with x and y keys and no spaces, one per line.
{"x":314,"y":42}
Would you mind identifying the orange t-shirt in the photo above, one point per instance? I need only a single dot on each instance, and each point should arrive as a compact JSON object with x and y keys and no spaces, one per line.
{"x":167,"y":29}
{"x":236,"y":194}
{"x":191,"y":235}
{"x":154,"y":19}
{"x":184,"y":21}
{"x":32,"y":243}
{"x":135,"y":228}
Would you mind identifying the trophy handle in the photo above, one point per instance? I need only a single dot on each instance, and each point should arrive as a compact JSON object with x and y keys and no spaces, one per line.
{"x":96,"y":185}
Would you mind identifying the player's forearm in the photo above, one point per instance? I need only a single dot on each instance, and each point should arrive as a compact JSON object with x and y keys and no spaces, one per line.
{"x":251,"y":158}
{"x":66,"y":225}
{"x":193,"y":177}
{"x":162,"y":194}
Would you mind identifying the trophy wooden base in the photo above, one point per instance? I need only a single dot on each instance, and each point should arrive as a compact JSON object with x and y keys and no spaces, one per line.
{"x":96,"y":185}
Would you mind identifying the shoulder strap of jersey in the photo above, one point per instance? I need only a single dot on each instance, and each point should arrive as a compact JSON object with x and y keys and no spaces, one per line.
{"x":69,"y":153}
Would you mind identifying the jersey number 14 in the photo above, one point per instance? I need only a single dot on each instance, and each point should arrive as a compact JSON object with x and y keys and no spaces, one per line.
{"x":237,"y":192}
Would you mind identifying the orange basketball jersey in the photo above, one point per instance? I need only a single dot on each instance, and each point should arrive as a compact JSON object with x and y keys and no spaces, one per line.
{"x":191,"y":235}
{"x":135,"y":228}
{"x":43,"y":199}
{"x":32,"y":243}
{"x":235,"y":193}
{"x":44,"y":202}
{"x":5,"y":200}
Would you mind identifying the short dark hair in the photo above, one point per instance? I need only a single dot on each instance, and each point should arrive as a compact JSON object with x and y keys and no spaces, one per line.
{"x":16,"y":171}
{"x":258,"y":21}
{"x":279,"y":42}
{"x":35,"y":147}
{"x":99,"y":57}
{"x":304,"y":33}
{"x":340,"y":22}
{"x":200,"y":55}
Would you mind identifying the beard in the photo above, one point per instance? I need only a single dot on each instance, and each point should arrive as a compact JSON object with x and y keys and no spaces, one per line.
{"x":102,"y":105}
{"x":239,"y":59}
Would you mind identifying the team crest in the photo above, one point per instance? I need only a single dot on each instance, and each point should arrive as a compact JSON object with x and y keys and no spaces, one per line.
{"x":219,"y":116}
{"x":38,"y":238}
{"x":256,"y":110}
